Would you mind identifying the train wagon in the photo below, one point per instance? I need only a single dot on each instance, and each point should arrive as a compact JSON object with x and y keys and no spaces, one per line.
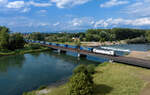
{"x":63,"y":45}
{"x":47,"y":43}
{"x":106,"y":52}
{"x":41,"y":42}
{"x":86,"y":48}
{"x":54,"y":44}
{"x":37,"y":42}
{"x":74,"y":47}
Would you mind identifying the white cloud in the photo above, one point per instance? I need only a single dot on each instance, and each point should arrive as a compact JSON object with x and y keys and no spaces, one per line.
{"x":68,"y":3}
{"x":3,"y":1}
{"x":16,"y":4}
{"x":39,"y":4}
{"x":24,"y":6}
{"x":42,"y":11}
{"x":83,"y":21}
{"x":122,"y":22}
{"x":111,"y":3}
{"x":139,"y":8}
{"x":56,"y":24}
{"x":26,"y":10}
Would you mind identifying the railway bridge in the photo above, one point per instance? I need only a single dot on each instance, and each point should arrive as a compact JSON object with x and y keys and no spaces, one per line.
{"x":119,"y":59}
{"x":83,"y":53}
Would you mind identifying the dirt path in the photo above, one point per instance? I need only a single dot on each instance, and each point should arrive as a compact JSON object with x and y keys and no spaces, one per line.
{"x":146,"y":90}
{"x":140,"y":54}
{"x":144,"y":75}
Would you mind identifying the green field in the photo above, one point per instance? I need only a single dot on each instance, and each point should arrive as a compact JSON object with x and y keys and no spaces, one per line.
{"x":111,"y":79}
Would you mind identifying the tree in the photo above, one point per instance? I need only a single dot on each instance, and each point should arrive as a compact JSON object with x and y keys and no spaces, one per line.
{"x":37,"y":36}
{"x":87,"y":70}
{"x":4,"y":37}
{"x":148,"y":36}
{"x":80,"y":68}
{"x":79,"y":84}
{"x":78,"y":43}
{"x":16,"y":41}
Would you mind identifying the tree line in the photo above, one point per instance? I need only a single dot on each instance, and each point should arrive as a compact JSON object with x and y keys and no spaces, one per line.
{"x":97,"y":35}
{"x":10,"y":41}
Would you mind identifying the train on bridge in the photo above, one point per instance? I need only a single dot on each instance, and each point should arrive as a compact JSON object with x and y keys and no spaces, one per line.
{"x":89,"y":49}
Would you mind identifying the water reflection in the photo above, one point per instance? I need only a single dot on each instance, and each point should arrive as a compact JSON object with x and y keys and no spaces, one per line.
{"x":10,"y":62}
{"x":23,"y":73}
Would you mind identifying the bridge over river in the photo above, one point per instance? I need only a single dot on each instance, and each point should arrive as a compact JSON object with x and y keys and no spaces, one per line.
{"x":119,"y":59}
{"x":84,"y":53}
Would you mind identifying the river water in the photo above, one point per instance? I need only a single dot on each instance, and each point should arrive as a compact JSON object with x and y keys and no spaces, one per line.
{"x":21,"y":73}
{"x":132,"y":47}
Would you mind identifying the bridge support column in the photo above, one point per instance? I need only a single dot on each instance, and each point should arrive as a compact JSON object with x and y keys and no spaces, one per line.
{"x":82,"y":55}
{"x":111,"y":61}
{"x":61,"y":51}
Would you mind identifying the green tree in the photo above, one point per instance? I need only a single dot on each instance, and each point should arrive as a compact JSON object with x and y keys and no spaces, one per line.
{"x":148,"y":36}
{"x":80,"y":68}
{"x":79,"y":84}
{"x":78,"y":43}
{"x":37,"y":36}
{"x":16,"y":41}
{"x":4,"y":37}
{"x":87,"y":70}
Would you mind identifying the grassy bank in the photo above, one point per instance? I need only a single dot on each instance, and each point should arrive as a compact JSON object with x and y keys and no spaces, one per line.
{"x":111,"y":79}
{"x":23,"y":51}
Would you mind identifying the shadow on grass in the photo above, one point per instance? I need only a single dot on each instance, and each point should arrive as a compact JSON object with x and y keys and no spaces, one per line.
{"x":102,"y":89}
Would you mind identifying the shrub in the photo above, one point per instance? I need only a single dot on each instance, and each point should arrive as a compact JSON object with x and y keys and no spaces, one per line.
{"x":80,"y":68}
{"x":42,"y":87}
{"x":32,"y":46}
{"x":136,"y":40}
{"x":91,"y":68}
{"x":79,"y":84}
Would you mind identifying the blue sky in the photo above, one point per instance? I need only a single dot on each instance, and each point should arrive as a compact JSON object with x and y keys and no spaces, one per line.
{"x":61,"y":15}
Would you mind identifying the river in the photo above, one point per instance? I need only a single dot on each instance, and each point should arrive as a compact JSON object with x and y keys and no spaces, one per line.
{"x":22,"y":73}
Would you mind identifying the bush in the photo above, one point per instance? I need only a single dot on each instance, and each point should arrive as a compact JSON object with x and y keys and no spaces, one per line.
{"x":79,"y":84}
{"x":42,"y":87}
{"x":91,"y":68}
{"x":136,"y":40}
{"x":80,"y":68}
{"x":32,"y":46}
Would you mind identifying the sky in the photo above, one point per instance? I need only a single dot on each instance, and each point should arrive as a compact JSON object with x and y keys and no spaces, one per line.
{"x":68,"y":15}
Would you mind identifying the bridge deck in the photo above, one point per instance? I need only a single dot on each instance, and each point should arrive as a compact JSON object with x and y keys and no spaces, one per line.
{"x":119,"y":59}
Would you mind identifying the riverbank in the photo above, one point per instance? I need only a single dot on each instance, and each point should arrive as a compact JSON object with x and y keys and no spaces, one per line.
{"x":111,"y":79}
{"x":96,"y":44}
{"x":23,"y":51}
{"x":140,"y":54}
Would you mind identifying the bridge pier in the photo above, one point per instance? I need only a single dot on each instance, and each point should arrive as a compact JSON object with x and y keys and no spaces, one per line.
{"x":61,"y":51}
{"x":82,"y":55}
{"x":111,"y":61}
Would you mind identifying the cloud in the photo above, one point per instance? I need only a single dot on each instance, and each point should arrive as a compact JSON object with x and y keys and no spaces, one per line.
{"x":3,"y":1}
{"x":39,"y":4}
{"x":24,"y":7}
{"x":16,"y":4}
{"x":138,"y":8}
{"x":56,"y":24}
{"x":26,"y":10}
{"x":112,"y":3}
{"x":42,"y":11}
{"x":68,"y":3}
{"x":82,"y":22}
{"x":122,"y":22}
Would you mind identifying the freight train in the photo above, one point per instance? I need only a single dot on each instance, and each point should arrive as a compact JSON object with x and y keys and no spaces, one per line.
{"x":89,"y":49}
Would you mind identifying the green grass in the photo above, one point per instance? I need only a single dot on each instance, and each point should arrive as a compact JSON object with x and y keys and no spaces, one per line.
{"x":112,"y":79}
